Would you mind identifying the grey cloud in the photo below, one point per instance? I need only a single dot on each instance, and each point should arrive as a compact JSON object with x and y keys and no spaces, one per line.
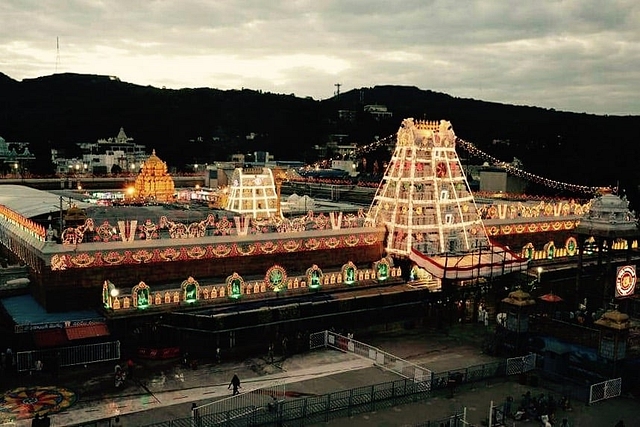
{"x":577,"y":55}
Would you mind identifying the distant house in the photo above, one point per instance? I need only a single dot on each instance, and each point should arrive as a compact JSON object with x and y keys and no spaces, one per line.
{"x":14,"y":156}
{"x":378,"y":111}
{"x":497,"y":180}
{"x":101,"y":156}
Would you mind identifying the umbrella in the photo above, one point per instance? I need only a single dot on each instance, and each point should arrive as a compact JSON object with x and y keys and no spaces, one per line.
{"x":551,"y":297}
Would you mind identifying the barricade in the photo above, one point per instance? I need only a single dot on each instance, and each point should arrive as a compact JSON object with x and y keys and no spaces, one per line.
{"x":239,"y":408}
{"x":605,"y":390}
{"x":68,"y":356}
{"x":381,"y":358}
{"x":521,"y":364}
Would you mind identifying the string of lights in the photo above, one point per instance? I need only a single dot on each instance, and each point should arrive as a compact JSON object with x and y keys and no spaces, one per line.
{"x":510,"y":168}
{"x":513,"y":170}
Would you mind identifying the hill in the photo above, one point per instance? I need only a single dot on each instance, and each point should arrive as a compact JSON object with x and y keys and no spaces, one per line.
{"x":202,"y":124}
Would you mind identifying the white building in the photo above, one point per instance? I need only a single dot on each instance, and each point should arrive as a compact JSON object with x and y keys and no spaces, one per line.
{"x":103,"y":155}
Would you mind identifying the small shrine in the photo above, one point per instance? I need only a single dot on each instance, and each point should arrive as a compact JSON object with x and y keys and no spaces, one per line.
{"x":154,"y":182}
{"x":75,"y":216}
{"x":614,"y":327}
{"x":514,"y":321}
{"x":516,"y":304}
{"x":608,"y":227}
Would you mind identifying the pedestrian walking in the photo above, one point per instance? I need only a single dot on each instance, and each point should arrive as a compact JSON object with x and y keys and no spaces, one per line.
{"x":235,"y":383}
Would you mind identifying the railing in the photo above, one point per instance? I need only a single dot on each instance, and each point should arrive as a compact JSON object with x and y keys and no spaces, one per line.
{"x":224,"y":411}
{"x":521,"y":364}
{"x":419,"y":374}
{"x":605,"y":390}
{"x":68,"y":356}
{"x":267,"y":407}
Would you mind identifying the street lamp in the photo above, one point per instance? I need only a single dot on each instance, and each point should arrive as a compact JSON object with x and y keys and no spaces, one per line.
{"x":539,"y":273}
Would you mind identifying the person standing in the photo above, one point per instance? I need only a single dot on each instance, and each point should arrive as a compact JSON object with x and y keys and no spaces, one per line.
{"x":46,"y":421}
{"x":9,"y":359}
{"x":130,"y":367}
{"x":270,"y":353}
{"x":235,"y":383}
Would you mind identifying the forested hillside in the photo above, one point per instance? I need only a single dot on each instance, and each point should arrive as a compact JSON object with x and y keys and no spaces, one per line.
{"x":201,"y":124}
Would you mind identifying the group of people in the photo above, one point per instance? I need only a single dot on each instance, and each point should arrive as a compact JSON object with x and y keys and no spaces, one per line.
{"x":541,"y":408}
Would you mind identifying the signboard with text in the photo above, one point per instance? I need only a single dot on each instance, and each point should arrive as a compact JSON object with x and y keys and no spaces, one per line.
{"x":625,"y":281}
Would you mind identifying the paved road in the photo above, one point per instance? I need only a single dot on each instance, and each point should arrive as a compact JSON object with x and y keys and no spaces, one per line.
{"x":161,"y":391}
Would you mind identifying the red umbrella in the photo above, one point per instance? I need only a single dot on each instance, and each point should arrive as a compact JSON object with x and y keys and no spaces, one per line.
{"x":551,"y":297}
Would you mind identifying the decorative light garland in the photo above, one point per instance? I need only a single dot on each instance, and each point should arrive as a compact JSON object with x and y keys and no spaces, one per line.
{"x":475,"y":151}
{"x":583,"y":189}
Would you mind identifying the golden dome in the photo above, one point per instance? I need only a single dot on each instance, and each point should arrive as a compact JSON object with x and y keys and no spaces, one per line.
{"x":153,"y":182}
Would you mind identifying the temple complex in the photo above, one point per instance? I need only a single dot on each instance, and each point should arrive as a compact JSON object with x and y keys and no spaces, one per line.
{"x":154,"y":182}
{"x":195,"y":279}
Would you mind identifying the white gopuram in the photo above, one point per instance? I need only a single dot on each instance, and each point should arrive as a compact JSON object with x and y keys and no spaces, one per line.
{"x":252,"y":192}
{"x":430,"y":214}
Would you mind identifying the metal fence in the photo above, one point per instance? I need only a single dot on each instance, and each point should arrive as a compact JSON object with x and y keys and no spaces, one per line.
{"x":223,"y":412}
{"x":455,"y":378}
{"x":455,"y":420}
{"x":521,"y":364}
{"x":419,"y":374}
{"x":318,"y":409}
{"x":605,"y":390}
{"x":68,"y":356}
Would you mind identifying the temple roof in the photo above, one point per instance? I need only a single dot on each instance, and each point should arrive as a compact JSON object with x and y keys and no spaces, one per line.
{"x":614,"y":319}
{"x":609,"y":215}
{"x":519,"y":298}
{"x":30,"y":202}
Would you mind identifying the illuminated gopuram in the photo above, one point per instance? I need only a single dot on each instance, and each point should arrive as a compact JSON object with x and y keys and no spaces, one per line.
{"x":429,"y":211}
{"x":253,"y":192}
{"x":154,"y":182}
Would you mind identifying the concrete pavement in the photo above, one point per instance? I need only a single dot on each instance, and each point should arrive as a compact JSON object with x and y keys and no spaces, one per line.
{"x":161,"y":391}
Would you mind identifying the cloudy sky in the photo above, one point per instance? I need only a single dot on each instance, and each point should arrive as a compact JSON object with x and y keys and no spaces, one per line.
{"x":571,"y":55}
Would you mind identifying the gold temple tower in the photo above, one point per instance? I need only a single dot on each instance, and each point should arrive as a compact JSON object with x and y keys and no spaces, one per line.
{"x":154,"y":182}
